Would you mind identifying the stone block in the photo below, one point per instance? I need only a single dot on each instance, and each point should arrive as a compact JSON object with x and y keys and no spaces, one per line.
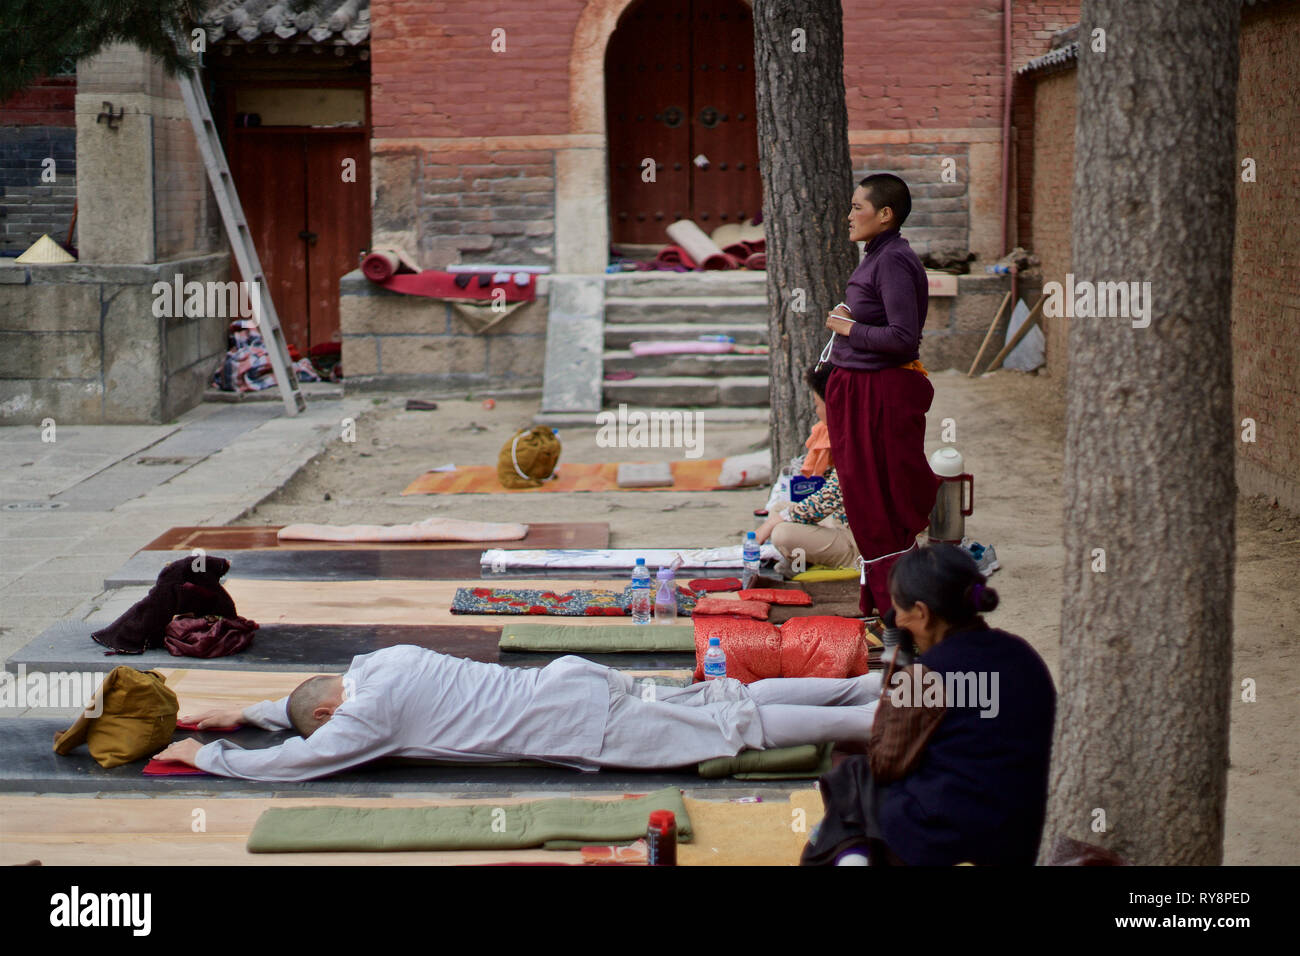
{"x":50,"y":308}
{"x":516,"y":360}
{"x":574,"y":345}
{"x":432,"y":355}
{"x":49,"y":355}
{"x":360,"y":355}
{"x":133,"y":356}
{"x":384,"y":313}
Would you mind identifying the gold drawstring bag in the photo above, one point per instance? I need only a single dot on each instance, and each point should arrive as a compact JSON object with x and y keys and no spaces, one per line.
{"x":529,"y":458}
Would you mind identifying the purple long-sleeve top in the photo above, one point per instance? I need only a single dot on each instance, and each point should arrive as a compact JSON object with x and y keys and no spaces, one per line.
{"x":888,"y":295}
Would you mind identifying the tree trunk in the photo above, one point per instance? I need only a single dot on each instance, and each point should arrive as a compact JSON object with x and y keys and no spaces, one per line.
{"x":807,"y":187}
{"x":1146,"y":643}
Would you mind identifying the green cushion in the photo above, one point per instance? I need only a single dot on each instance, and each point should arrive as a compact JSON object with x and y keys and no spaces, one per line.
{"x":595,"y":639}
{"x":779,"y":763}
{"x":480,"y":826}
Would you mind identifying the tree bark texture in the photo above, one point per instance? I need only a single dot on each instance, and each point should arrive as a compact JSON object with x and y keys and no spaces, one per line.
{"x":807,"y":187}
{"x":1146,"y":645}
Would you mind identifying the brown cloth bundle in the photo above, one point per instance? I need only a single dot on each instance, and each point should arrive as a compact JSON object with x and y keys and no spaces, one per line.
{"x":529,"y":458}
{"x":132,"y":715}
{"x":190,"y":635}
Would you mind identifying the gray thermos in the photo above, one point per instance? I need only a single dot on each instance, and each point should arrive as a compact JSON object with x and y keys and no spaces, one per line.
{"x":948,"y":516}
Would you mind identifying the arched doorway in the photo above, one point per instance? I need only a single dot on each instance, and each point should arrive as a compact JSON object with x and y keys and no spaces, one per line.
{"x":679,"y":89}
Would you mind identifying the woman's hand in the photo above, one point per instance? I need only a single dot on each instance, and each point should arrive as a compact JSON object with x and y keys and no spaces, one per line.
{"x":839,"y":320}
{"x":765,"y":529}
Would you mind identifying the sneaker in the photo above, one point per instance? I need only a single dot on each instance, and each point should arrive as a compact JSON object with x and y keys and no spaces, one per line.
{"x":987,"y":560}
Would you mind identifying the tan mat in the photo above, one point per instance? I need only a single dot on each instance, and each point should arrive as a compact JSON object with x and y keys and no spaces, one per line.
{"x":207,"y":830}
{"x":391,"y":602}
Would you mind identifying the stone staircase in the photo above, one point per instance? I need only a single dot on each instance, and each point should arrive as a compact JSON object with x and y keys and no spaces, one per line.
{"x":683,"y":306}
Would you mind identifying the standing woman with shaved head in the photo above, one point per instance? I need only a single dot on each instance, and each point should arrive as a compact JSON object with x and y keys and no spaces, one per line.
{"x":879,"y":393}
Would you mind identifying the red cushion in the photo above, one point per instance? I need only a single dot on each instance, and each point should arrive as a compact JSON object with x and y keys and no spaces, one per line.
{"x":823,"y":646}
{"x":711,"y":605}
{"x":787,"y":596}
{"x":753,"y":648}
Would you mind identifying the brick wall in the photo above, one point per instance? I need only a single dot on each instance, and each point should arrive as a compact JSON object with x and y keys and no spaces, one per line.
{"x":1034,"y":22}
{"x":940,"y":210}
{"x":1266,"y":253}
{"x":37,"y":124}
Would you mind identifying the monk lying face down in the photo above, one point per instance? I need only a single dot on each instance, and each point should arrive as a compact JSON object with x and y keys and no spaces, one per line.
{"x":407,"y":701}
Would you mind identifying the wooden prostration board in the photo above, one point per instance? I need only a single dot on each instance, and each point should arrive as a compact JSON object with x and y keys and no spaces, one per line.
{"x":541,"y":536}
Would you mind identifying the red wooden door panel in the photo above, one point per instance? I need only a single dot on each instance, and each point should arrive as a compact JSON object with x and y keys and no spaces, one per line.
{"x":724,"y":130}
{"x":679,"y":83}
{"x":338,"y":223}
{"x":647,"y":108}
{"x":270,"y":175}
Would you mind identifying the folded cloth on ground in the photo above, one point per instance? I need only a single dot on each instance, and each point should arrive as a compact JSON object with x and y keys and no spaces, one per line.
{"x":705,"y":585}
{"x":754,"y":468}
{"x":680,"y":348}
{"x":430,"y":529}
{"x":788,"y":596}
{"x":779,"y":763}
{"x":481,"y":826}
{"x":185,"y":585}
{"x":822,"y":573}
{"x":171,"y":768}
{"x":616,"y":638}
{"x":711,"y":605}
{"x":580,"y":602}
{"x":818,"y":646}
{"x":190,"y":635}
{"x":581,"y":559}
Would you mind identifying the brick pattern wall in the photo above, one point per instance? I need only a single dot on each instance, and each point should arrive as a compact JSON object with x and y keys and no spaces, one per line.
{"x":496,"y":205}
{"x":36,"y":124}
{"x":940,"y":211}
{"x":187,"y":220}
{"x":1266,"y":253}
{"x":1032,"y":24}
{"x":1053,"y":187}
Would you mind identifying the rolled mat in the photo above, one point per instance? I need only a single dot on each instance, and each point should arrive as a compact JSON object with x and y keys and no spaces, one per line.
{"x":481,"y":826}
{"x":757,"y":261}
{"x":780,"y":763}
{"x":699,"y":246}
{"x":675,"y":256}
{"x":378,"y":266}
{"x":430,"y":529}
{"x":612,"y":639}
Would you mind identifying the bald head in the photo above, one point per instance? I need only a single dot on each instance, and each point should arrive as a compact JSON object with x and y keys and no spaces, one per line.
{"x":313,"y":702}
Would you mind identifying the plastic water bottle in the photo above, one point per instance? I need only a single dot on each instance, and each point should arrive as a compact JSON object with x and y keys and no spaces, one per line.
{"x":751,"y":559}
{"x":640,"y":595}
{"x":666,"y":597}
{"x":715,"y":660}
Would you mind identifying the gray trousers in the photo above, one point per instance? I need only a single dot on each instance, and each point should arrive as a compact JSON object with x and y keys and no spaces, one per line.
{"x":651,"y":726}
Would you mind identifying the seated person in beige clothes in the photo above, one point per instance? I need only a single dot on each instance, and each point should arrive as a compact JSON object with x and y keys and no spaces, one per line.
{"x":799,"y":529}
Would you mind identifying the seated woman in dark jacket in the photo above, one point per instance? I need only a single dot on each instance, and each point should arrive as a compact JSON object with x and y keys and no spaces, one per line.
{"x":958,"y":764}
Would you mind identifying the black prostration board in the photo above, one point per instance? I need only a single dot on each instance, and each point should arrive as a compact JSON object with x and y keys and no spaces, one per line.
{"x":28,"y":764}
{"x":66,"y":646}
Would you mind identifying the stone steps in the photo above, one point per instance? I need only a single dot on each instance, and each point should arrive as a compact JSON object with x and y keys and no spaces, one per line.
{"x":686,"y":365}
{"x":704,"y":310}
{"x":621,"y":336}
{"x":735,"y":391}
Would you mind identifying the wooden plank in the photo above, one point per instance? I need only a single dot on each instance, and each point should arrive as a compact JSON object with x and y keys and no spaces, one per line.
{"x":988,"y":336}
{"x":541,"y":536}
{"x":391,"y":602}
{"x":1030,"y":321}
{"x":159,"y":831}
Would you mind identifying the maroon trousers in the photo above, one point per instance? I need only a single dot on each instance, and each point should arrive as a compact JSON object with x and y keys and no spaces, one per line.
{"x":876,"y":422}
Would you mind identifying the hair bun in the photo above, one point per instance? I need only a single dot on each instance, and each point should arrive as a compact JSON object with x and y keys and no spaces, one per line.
{"x":982,"y":597}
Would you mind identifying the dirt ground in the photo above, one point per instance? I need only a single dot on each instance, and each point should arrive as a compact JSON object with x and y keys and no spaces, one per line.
{"x":1009,"y":427}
